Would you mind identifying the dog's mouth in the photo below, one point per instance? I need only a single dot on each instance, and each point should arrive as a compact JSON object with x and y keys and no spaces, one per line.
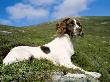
{"x":81,"y":34}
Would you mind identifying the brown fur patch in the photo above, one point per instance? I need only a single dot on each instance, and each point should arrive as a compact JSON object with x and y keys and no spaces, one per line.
{"x":64,"y":27}
{"x":45,"y":49}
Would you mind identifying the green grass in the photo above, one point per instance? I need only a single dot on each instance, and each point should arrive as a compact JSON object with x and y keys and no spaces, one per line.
{"x":92,"y":51}
{"x":34,"y":70}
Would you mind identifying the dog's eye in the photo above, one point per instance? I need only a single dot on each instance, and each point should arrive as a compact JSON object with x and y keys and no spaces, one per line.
{"x":78,"y":24}
{"x":72,"y":23}
{"x":79,"y":29}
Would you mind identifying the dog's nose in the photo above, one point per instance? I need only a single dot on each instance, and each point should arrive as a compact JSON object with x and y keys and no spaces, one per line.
{"x":82,"y":34}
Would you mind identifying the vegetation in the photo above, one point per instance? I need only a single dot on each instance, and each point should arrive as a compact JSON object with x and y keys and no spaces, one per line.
{"x":92,"y":51}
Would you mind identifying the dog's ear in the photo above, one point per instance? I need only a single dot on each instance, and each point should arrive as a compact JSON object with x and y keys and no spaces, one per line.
{"x":61,"y":28}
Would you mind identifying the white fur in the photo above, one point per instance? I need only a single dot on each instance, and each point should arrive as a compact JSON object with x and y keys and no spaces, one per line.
{"x":75,"y":22}
{"x":61,"y":50}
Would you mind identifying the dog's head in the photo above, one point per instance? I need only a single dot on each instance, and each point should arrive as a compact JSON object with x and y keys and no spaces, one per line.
{"x":69,"y":26}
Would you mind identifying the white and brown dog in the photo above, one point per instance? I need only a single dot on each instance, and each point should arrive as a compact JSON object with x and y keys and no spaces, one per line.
{"x":59,"y":51}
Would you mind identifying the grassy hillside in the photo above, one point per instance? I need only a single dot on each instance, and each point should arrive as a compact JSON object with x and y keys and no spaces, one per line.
{"x":92,"y":51}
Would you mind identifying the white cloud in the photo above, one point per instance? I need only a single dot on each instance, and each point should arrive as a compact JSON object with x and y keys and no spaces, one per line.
{"x":37,"y":11}
{"x":5,"y":22}
{"x":41,"y":2}
{"x":70,"y":8}
{"x":20,"y":11}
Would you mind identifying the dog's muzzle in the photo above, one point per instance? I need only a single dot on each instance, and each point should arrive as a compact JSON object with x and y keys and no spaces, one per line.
{"x":80,"y":32}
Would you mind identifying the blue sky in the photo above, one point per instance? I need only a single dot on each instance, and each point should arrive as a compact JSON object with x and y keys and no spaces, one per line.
{"x":31,"y":12}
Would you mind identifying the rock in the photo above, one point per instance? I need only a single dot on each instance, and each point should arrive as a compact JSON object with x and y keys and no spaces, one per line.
{"x":60,"y":77}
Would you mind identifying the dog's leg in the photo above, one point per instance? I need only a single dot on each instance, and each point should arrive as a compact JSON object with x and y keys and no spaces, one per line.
{"x":67,"y":63}
{"x":93,"y":74}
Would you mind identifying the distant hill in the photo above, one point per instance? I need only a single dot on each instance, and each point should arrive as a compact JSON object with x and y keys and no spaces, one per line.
{"x":92,"y":51}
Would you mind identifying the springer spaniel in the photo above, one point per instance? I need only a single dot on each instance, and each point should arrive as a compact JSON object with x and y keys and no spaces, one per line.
{"x":59,"y":51}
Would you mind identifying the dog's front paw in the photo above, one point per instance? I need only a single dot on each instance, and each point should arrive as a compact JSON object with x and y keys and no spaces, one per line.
{"x":94,"y":74}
